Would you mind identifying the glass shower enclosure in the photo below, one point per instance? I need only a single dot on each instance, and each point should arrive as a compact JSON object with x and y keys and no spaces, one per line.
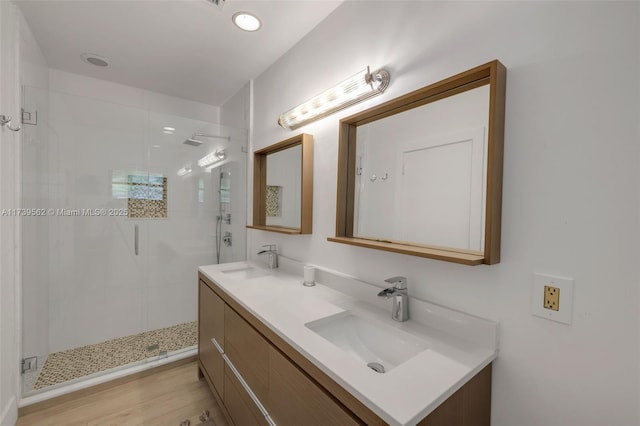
{"x":121,"y":216}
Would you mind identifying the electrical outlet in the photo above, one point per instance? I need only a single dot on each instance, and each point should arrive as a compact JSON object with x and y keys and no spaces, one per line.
{"x":545,"y":298}
{"x":551,"y":297}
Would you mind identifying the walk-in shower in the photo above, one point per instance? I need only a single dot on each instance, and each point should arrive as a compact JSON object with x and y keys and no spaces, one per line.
{"x":110,"y":269}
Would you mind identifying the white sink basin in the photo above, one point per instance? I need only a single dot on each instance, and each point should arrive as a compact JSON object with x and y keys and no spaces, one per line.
{"x":245,"y":272}
{"x":377,"y":345}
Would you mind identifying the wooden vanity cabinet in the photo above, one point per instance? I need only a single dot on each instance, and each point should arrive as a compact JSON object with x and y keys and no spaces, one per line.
{"x":291,"y":389}
{"x":211,"y":326}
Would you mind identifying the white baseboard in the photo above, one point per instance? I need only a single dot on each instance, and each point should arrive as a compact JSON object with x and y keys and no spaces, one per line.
{"x":9,"y":413}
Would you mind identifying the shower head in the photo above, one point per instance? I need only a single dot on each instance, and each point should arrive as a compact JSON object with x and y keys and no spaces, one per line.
{"x":193,"y":142}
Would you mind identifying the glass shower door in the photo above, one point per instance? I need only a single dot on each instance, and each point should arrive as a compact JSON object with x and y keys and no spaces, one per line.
{"x":83,"y":270}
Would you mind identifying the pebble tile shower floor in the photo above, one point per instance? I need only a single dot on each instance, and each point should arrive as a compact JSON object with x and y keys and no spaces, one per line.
{"x":70,"y":364}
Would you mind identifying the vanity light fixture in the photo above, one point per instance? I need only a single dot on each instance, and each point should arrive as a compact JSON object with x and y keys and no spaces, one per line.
{"x":184,"y":171}
{"x":212,"y":158}
{"x":356,"y":88}
{"x":246,"y":21}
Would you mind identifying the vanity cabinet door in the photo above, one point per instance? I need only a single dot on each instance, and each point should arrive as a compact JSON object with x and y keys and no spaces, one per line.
{"x":211,"y":326}
{"x":248,"y":351}
{"x":294,"y":399}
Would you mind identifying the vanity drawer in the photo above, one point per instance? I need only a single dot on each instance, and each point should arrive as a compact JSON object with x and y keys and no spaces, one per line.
{"x":295,"y":399}
{"x":248,"y":351}
{"x":239,"y":404}
{"x":210,"y":327}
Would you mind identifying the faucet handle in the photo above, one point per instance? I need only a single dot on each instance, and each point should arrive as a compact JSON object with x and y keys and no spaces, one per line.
{"x":271,"y":247}
{"x":399,"y":283}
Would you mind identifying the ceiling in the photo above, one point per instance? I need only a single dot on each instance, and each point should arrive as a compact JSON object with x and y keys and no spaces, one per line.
{"x":184,"y":48}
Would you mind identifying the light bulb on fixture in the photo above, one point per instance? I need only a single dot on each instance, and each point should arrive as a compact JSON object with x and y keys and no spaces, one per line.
{"x":356,"y":88}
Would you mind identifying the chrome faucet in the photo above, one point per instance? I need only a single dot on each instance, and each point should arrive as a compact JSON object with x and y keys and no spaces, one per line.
{"x":271,"y":250}
{"x":400,"y":311}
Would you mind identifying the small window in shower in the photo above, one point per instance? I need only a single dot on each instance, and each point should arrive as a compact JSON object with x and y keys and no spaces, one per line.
{"x":146,"y":194}
{"x":274,"y":201}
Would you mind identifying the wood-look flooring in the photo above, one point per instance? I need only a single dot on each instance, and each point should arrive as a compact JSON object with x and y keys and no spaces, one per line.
{"x":165,"y":398}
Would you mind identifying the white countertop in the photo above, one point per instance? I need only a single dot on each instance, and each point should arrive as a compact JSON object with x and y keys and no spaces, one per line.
{"x":460,"y":345}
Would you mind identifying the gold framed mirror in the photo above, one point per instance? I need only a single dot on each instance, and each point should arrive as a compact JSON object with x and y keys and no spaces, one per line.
{"x":421,"y":174}
{"x":283,"y":186}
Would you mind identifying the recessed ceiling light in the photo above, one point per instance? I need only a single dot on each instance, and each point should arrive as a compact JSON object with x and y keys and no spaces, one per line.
{"x":246,"y":21}
{"x":93,"y":59}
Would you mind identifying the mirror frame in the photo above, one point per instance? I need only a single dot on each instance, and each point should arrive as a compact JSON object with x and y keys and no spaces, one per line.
{"x":492,"y":73}
{"x":260,"y":185}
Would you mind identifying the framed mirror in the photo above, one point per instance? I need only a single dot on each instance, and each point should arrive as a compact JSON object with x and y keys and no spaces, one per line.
{"x":422,"y":174}
{"x":283,"y":186}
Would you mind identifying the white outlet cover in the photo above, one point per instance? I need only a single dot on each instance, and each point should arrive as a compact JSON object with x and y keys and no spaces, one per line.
{"x":565,"y":313}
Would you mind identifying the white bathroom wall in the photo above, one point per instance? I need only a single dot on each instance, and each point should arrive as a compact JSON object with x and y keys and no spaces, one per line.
{"x":9,"y":199}
{"x":74,"y":84}
{"x":235,"y":112}
{"x":34,"y":70}
{"x":571,"y":180}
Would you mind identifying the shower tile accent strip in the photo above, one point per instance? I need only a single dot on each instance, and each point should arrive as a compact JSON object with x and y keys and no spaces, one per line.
{"x":78,"y":362}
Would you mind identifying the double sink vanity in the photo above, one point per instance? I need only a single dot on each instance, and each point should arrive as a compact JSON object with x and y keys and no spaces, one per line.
{"x":276,"y":352}
{"x":419,"y":175}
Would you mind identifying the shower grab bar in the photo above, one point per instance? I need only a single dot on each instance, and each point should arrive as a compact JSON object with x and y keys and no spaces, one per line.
{"x":136,"y":245}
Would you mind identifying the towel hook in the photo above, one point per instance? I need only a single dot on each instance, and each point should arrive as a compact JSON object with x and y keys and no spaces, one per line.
{"x":5,"y":121}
